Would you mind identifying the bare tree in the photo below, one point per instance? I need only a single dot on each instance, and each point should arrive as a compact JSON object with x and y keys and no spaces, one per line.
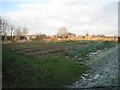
{"x":18,"y":32}
{"x":25,"y":31}
{"x":0,"y":26}
{"x":62,"y":32}
{"x":4,"y":27}
{"x":12,"y":29}
{"x":1,"y":21}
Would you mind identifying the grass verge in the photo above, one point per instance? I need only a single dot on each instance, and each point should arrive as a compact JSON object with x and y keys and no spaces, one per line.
{"x":30,"y":72}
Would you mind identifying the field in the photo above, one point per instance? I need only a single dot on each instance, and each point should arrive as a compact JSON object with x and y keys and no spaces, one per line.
{"x":42,"y":49}
{"x":48,"y":64}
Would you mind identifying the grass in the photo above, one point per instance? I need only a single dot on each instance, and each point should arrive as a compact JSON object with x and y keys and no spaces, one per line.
{"x":30,"y":72}
{"x":43,"y":49}
{"x":44,"y":45}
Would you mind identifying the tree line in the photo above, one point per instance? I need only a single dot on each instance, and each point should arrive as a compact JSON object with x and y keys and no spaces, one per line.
{"x":7,"y":29}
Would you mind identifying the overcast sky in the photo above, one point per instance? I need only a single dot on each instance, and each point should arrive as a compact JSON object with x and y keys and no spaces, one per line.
{"x":79,"y":16}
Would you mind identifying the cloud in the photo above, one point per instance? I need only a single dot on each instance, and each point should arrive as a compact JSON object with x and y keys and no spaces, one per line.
{"x":94,"y":17}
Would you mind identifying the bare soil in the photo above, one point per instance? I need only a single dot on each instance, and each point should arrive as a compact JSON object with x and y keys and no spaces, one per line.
{"x":38,"y":49}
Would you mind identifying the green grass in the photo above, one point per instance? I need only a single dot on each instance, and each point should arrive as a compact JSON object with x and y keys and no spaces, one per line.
{"x":29,"y":72}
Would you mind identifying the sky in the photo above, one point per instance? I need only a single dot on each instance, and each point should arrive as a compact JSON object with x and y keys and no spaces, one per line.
{"x":48,"y":16}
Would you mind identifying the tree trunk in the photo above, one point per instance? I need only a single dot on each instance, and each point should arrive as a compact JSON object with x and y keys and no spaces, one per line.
{"x":5,"y":37}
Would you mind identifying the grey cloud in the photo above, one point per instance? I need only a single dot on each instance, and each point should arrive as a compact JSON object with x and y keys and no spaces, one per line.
{"x":77,"y":17}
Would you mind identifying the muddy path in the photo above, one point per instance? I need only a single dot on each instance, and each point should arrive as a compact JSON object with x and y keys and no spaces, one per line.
{"x":103,"y":72}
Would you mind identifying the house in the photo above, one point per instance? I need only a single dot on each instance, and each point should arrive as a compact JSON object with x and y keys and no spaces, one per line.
{"x":71,"y":36}
{"x":80,"y":37}
{"x":30,"y":37}
{"x":42,"y":36}
{"x":54,"y":36}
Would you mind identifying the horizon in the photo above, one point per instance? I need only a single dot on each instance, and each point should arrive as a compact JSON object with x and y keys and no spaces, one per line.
{"x":94,"y":17}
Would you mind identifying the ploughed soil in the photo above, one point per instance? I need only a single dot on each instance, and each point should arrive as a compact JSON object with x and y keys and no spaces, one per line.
{"x":37,"y":49}
{"x":39,"y":53}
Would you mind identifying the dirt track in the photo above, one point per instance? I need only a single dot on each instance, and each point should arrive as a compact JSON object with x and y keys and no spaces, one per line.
{"x":104,"y":70}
